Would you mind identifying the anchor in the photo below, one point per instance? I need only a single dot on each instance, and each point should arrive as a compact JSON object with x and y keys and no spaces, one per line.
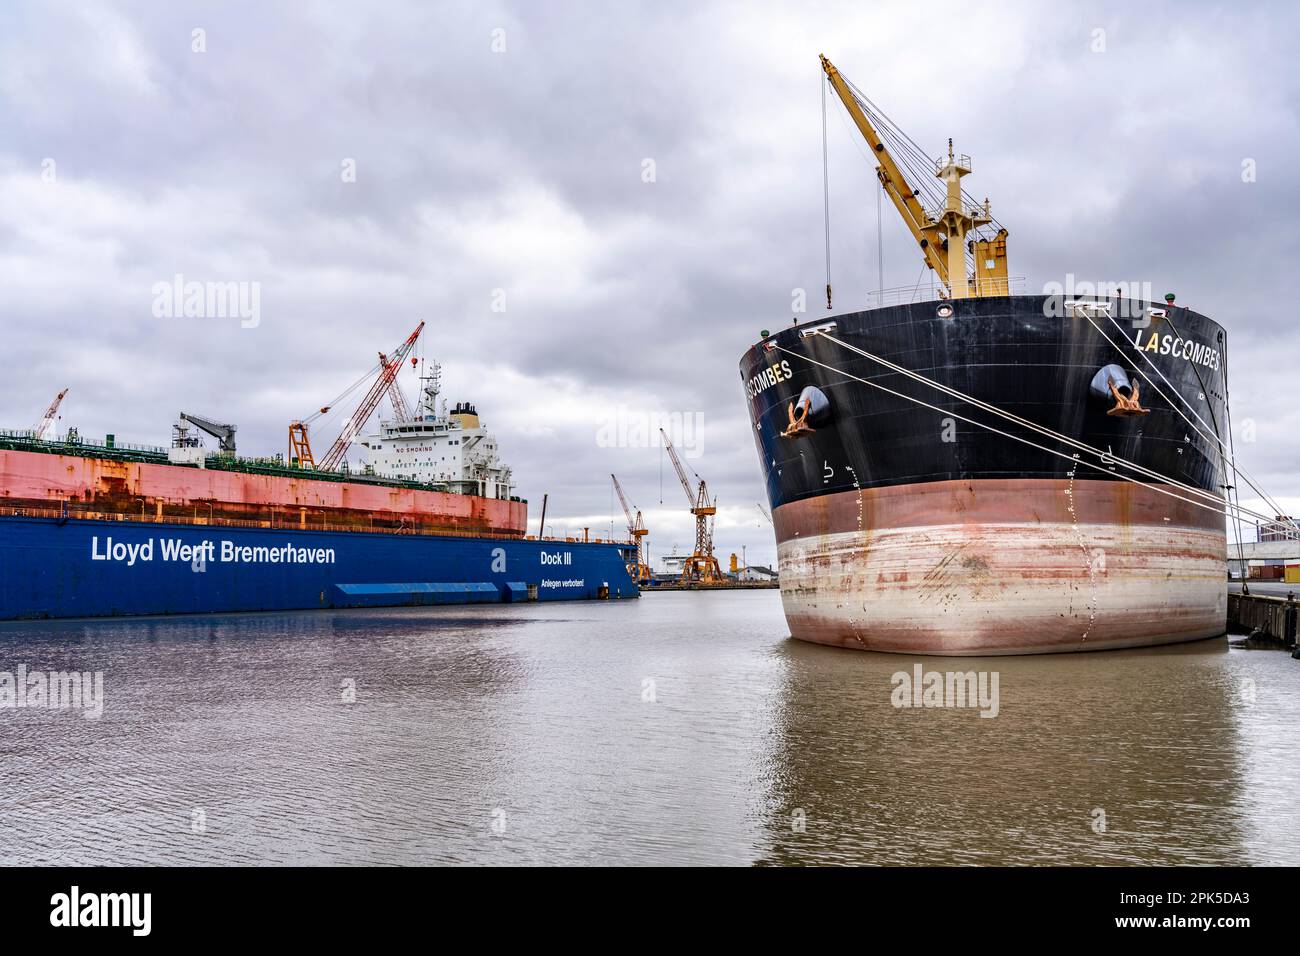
{"x":1127,"y":407}
{"x":799,"y":423}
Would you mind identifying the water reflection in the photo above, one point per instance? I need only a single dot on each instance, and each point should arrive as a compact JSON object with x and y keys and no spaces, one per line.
{"x":1153,"y":748}
{"x":681,"y":728}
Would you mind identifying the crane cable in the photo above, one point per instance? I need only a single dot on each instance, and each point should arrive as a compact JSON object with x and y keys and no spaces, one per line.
{"x":1032,"y":425}
{"x":1024,"y":441}
{"x":826,"y":197}
{"x":1041,"y":429}
{"x":1232,"y":455}
{"x":1017,"y":419}
{"x":1226,"y":452}
{"x":1202,"y":428}
{"x":905,"y":145}
{"x":332,"y":404}
{"x":914,"y":162}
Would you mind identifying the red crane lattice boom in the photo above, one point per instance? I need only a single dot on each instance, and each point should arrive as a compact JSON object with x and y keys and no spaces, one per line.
{"x":395,"y":397}
{"x":387,"y":372}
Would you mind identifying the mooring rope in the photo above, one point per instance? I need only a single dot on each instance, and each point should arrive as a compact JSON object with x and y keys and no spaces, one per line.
{"x":1203,"y":428}
{"x":1017,"y":419}
{"x":1223,"y":508}
{"x":1227,"y":453}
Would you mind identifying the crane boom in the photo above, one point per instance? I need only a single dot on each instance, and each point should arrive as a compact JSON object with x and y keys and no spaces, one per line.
{"x":225,"y":434}
{"x":334,"y":457}
{"x":681,"y":472}
{"x":891,"y":177}
{"x":941,"y":233}
{"x":640,"y":569}
{"x":395,"y":396}
{"x":622,"y":499}
{"x":51,"y":413}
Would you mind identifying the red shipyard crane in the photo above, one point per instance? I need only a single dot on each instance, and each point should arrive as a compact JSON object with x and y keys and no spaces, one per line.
{"x":383,"y":384}
{"x":401,"y":411}
{"x":640,"y":571}
{"x":701,"y":567}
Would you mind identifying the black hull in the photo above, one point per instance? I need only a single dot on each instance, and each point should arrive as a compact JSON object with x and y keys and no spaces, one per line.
{"x":1011,"y":352}
{"x":904,"y":525}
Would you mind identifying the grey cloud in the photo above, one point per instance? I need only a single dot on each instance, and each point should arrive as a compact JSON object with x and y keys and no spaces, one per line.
{"x":522,"y":171}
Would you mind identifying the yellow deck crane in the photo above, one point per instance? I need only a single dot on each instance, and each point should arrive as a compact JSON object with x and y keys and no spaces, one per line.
{"x":640,"y":569}
{"x":953,"y":227}
{"x":701,"y":567}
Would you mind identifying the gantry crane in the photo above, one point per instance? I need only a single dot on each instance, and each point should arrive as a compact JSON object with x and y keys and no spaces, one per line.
{"x":942,"y":230}
{"x":640,"y":570}
{"x":299,"y":442}
{"x":701,"y":567}
{"x":42,"y":428}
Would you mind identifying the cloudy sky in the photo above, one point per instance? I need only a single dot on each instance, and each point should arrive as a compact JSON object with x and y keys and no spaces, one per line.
{"x":596,"y":207}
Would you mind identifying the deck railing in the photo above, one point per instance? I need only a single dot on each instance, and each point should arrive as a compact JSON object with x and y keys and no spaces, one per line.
{"x":153,"y":454}
{"x":290,"y":522}
{"x":927,"y":291}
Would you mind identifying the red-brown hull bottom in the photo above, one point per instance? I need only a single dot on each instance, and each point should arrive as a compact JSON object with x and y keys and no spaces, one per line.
{"x":1002,"y":566}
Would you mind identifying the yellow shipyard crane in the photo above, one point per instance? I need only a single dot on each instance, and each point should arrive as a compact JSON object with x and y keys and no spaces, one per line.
{"x":961,"y":241}
{"x":640,"y":570}
{"x":701,"y":567}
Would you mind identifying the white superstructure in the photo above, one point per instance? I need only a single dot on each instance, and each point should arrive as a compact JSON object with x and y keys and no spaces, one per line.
{"x":452,"y":450}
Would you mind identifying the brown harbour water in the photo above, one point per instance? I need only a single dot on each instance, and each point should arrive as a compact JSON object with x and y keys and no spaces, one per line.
{"x":680,"y":728}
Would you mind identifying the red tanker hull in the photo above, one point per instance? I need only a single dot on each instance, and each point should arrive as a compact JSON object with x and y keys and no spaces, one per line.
{"x":111,"y":486}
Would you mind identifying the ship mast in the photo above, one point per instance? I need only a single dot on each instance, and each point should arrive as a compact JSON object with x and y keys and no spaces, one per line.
{"x":430,"y":388}
{"x":941,"y":231}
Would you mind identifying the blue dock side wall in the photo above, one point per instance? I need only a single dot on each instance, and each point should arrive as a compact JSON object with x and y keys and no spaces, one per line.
{"x":84,"y":568}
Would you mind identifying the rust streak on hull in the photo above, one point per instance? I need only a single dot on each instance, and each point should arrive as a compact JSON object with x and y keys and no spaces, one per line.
{"x":1001,"y":566}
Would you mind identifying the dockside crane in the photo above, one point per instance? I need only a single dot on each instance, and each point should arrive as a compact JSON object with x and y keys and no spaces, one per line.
{"x":701,"y":567}
{"x":42,"y":428}
{"x":941,"y":229}
{"x":640,"y":571}
{"x":224,"y":434}
{"x":300,"y":449}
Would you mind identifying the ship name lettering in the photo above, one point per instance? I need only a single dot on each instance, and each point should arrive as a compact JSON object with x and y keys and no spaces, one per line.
{"x":769,"y":377}
{"x":1187,"y":349}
